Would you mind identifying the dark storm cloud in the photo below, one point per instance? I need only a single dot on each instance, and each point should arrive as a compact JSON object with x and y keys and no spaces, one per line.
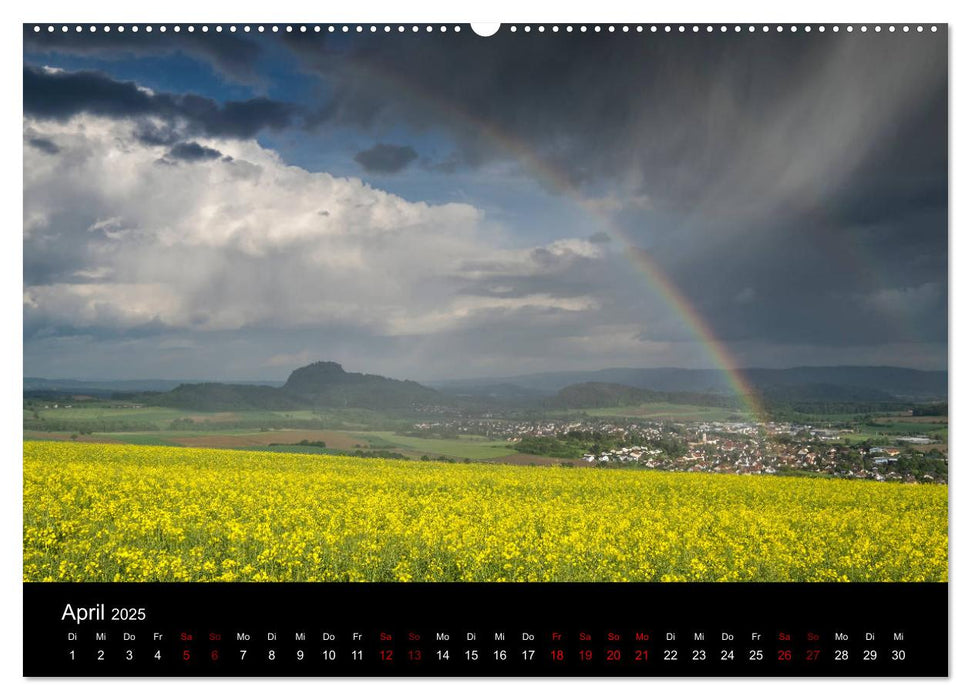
{"x":386,"y":158}
{"x":37,"y":327}
{"x":816,"y":283}
{"x":701,"y":119}
{"x":230,"y":54}
{"x":794,"y":187}
{"x":45,"y":145}
{"x":62,"y":94}
{"x":192,"y":152}
{"x":156,"y":134}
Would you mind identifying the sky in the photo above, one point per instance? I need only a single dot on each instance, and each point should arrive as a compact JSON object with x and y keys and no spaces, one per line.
{"x":432,"y":205}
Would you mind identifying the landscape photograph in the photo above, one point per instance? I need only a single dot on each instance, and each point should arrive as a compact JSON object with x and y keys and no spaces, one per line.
{"x":410,"y":304}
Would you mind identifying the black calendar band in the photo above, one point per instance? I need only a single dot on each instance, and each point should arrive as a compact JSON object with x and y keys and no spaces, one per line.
{"x":485,"y":629}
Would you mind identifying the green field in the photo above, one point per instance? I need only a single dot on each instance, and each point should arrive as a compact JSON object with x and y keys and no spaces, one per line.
{"x":88,"y":414}
{"x":887,"y":432}
{"x":158,"y":438}
{"x":465,"y":447}
{"x":161,"y":416}
{"x":154,"y":415}
{"x":895,"y":428}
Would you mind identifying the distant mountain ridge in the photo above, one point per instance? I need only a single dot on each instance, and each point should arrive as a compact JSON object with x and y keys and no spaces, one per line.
{"x":328,"y":385}
{"x":606,"y":395}
{"x":863,"y":381}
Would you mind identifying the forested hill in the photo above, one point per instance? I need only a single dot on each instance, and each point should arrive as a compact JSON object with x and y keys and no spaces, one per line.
{"x":327,"y":384}
{"x":319,"y":385}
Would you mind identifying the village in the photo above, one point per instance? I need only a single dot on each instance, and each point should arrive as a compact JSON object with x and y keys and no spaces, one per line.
{"x":772,"y":448}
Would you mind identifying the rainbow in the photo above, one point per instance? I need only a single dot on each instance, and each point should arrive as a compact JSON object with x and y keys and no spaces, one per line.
{"x":647,"y":267}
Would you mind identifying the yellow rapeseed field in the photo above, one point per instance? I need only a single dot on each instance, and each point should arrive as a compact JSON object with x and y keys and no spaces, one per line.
{"x":131,"y":513}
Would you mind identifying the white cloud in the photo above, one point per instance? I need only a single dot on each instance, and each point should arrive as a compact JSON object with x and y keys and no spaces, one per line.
{"x":467,"y":308}
{"x":556,"y":257}
{"x":246,"y":240}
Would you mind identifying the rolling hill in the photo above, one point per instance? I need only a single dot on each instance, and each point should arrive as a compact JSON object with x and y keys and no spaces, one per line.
{"x":318,"y":385}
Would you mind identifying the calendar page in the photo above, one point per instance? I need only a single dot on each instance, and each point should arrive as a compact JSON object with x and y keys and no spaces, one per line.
{"x":450,"y":350}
